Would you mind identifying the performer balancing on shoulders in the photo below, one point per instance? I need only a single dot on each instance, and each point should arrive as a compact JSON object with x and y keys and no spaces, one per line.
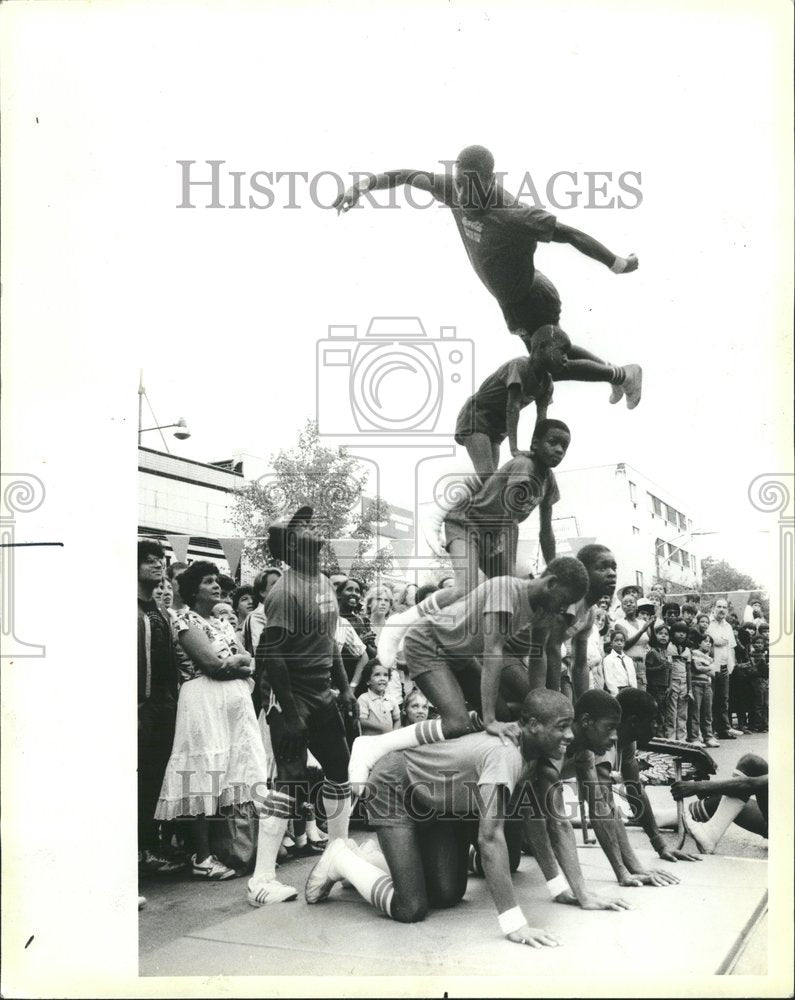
{"x":500,"y":237}
{"x":481,"y":525}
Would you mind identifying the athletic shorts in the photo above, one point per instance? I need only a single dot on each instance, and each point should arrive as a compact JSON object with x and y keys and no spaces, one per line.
{"x":474,"y":420}
{"x":424,"y":653}
{"x":540,"y":307}
{"x":392,"y":802}
{"x":496,"y":547}
{"x":324,"y":737}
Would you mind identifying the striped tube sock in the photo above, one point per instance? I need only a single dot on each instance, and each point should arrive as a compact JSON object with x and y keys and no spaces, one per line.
{"x":429,"y":731}
{"x":369,"y":881}
{"x":382,"y":894}
{"x":477,"y":722}
{"x":617,"y":374}
{"x":337,"y":805}
{"x":274,"y":816}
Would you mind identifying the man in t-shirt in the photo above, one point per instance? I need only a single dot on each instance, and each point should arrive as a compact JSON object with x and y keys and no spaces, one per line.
{"x":300,"y":659}
{"x":421,"y":802}
{"x":492,"y":413}
{"x":459,"y":655}
{"x":500,"y":237}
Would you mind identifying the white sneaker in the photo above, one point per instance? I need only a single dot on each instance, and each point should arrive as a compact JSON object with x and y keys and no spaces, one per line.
{"x":370,"y":852}
{"x":616,"y":393}
{"x":211,"y":869}
{"x":141,"y":902}
{"x":322,"y":878}
{"x":263,"y":893}
{"x":633,"y":385}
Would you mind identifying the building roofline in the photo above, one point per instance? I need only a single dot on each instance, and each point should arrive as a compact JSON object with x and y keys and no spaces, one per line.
{"x":613,"y":465}
{"x":191,"y":461}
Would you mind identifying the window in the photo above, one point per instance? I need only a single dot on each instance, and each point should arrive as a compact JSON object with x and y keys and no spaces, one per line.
{"x":682,"y":522}
{"x":655,"y":505}
{"x":635,"y":531}
{"x":633,"y":493}
{"x":670,"y":515}
{"x":639,"y":579}
{"x":693,"y":564}
{"x":689,"y":525}
{"x":660,"y":548}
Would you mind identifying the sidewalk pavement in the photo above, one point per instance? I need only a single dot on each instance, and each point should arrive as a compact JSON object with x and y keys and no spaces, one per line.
{"x":201,"y":929}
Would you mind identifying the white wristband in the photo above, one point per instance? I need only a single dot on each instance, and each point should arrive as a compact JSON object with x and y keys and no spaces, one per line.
{"x":557,"y":885}
{"x":511,"y":920}
{"x":619,"y":265}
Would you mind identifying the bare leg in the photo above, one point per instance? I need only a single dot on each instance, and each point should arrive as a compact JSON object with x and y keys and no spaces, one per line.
{"x":444,"y":692}
{"x":483,"y":453}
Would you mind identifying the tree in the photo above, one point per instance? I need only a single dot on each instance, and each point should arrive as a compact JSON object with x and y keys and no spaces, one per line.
{"x":720,"y":576}
{"x":329,"y":480}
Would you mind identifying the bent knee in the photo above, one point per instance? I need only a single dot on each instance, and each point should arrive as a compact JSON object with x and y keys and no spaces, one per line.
{"x":444,"y":899}
{"x":411,"y":912}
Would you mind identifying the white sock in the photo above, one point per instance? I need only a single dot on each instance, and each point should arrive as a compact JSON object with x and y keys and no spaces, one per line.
{"x":272,"y":828}
{"x":368,"y":750}
{"x":392,"y":635}
{"x":368,"y":880}
{"x":711,"y":832}
{"x":370,"y":852}
{"x":337,"y":804}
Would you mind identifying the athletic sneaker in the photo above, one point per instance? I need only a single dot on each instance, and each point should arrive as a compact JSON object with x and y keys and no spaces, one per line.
{"x":712,"y":742}
{"x":735,"y":732}
{"x":696,"y":743}
{"x":141,"y":902}
{"x":322,"y":878}
{"x":633,"y":384}
{"x":263,"y":893}
{"x":211,"y":869}
{"x":616,"y":393}
{"x":158,"y":864}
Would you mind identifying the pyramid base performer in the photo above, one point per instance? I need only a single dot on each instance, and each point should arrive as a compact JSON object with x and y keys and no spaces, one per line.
{"x":458,"y":656}
{"x":481,"y":525}
{"x":501,"y":236}
{"x":742,"y":799}
{"x":297,"y":656}
{"x":422,"y":803}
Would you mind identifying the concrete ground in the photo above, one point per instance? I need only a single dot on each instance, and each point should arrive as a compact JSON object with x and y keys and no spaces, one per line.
{"x":718,"y":913}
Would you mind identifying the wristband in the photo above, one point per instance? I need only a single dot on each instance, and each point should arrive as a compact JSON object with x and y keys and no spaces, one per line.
{"x":619,"y":265}
{"x":511,"y":920}
{"x":557,"y":885}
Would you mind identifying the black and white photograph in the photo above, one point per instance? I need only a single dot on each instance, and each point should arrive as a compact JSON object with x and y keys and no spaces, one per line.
{"x":429,"y":369}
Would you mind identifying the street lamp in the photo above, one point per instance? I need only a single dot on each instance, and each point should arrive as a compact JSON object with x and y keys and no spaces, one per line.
{"x":181,"y":433}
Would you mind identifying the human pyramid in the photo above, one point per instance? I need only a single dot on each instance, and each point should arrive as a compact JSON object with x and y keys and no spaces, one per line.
{"x":463,"y":791}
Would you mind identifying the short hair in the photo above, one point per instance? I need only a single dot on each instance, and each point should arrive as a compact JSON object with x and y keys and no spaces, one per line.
{"x":149,"y":547}
{"x":679,"y":625}
{"x":571,"y":574}
{"x":226,"y":583}
{"x":261,"y":579}
{"x":618,"y":631}
{"x":239,"y":592}
{"x":543,"y":704}
{"x":671,"y":606}
{"x":543,"y":427}
{"x":476,"y":160}
{"x":425,"y":590}
{"x":175,"y":568}
{"x":706,"y":636}
{"x":633,"y":701}
{"x":598,"y":704}
{"x":588,"y":554}
{"x":190,"y":580}
{"x":702,"y":614}
{"x":358,"y":581}
{"x":689,"y":607}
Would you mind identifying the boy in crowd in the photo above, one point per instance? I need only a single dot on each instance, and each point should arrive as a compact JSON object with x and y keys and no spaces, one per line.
{"x":680,"y":692}
{"x":500,"y":237}
{"x":424,"y":864}
{"x":482,"y":526}
{"x":760,"y":683}
{"x":618,"y":668}
{"x":460,"y":656}
{"x":492,"y":414}
{"x":699,"y":713}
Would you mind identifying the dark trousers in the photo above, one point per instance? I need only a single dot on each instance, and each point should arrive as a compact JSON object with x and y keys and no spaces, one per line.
{"x":761,"y":695}
{"x":156,"y":721}
{"x":720,"y":702}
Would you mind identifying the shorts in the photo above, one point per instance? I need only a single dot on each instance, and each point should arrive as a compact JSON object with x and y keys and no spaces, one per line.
{"x":424,"y":653}
{"x":540,"y":307}
{"x":388,"y":798}
{"x":496,"y":546}
{"x":324,"y":737}
{"x":474,"y":420}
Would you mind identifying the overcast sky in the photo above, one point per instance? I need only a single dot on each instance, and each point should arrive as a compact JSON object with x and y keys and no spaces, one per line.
{"x":223,"y":308}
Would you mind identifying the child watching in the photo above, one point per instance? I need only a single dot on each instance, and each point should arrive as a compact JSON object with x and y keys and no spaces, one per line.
{"x":377,"y":713}
{"x":699,"y":713}
{"x":680,"y":690}
{"x":760,"y":683}
{"x":658,"y":671}
{"x":619,"y":669}
{"x":415,"y":708}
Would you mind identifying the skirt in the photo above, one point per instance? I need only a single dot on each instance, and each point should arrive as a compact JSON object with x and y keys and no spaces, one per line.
{"x":218,"y":758}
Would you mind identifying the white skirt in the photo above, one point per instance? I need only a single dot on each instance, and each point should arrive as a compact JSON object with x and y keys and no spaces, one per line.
{"x":217,"y":758}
